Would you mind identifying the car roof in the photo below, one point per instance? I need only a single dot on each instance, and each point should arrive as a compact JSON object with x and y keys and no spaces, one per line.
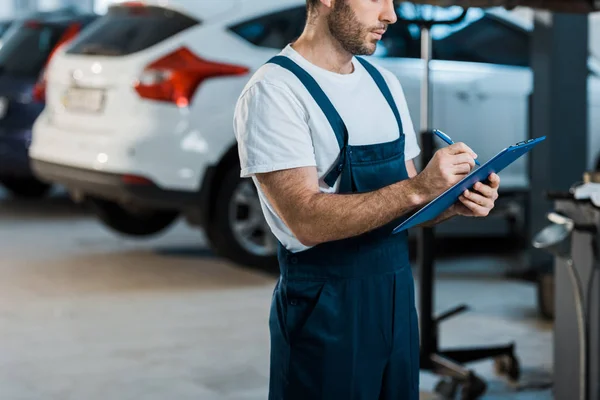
{"x":232,"y":10}
{"x":226,"y":9}
{"x":202,"y":10}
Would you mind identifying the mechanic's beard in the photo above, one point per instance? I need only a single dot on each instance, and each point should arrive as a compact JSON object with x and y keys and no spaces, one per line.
{"x":345,"y":28}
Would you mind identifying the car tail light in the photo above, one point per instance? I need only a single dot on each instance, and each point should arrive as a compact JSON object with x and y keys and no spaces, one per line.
{"x":132,"y":4}
{"x":175,"y":77}
{"x":70,"y":33}
{"x":33,"y":24}
{"x":39,"y":90}
{"x":135,"y":7}
{"x":136,"y":180}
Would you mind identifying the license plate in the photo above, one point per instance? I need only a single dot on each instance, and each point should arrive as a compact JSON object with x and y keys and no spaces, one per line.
{"x":87,"y":100}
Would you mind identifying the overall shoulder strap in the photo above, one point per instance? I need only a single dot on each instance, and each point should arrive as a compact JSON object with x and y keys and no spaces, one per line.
{"x":384,"y":88}
{"x":336,"y":122}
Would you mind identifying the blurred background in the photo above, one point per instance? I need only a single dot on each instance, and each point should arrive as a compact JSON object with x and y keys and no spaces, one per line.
{"x":134,"y":261}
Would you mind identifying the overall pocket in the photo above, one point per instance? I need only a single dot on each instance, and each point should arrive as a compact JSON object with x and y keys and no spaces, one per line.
{"x":306,"y":311}
{"x":370,"y":176}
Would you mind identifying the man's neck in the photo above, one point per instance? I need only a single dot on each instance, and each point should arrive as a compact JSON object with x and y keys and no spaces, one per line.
{"x":320,"y":48}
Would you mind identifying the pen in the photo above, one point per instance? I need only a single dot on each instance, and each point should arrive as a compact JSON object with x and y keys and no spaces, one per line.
{"x":447,"y":139}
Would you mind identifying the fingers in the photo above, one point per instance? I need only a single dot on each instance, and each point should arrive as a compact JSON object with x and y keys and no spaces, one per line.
{"x":463,"y":158}
{"x":487,"y":191}
{"x":458,"y":148}
{"x":494,"y":181}
{"x":461,"y":169}
{"x":461,"y":164}
{"x":476,"y":209}
{"x":457,"y":164}
{"x":479,"y":199}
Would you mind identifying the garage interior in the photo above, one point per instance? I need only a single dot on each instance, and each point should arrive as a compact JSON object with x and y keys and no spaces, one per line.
{"x":87,"y":314}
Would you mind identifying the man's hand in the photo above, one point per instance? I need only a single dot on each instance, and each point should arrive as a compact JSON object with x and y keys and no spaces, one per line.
{"x":448,"y":166}
{"x":480,"y":202}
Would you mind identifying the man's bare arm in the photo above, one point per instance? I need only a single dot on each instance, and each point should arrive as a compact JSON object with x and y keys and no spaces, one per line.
{"x":316,"y":217}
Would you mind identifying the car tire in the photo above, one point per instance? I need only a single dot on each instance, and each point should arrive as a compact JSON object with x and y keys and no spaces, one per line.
{"x":130,"y":222}
{"x":27,"y":188}
{"x":237,"y":230}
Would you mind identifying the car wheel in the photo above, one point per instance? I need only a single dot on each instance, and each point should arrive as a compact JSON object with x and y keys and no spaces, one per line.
{"x":26,"y":188}
{"x":238,"y":230}
{"x":130,"y":221}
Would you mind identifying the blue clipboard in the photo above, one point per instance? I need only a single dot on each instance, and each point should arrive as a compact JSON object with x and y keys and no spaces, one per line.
{"x":440,"y":204}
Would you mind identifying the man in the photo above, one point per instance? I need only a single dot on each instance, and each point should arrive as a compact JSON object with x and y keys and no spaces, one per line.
{"x":328,"y":140}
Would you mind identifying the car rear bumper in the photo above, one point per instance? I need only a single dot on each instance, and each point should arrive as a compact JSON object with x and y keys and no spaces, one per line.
{"x":144,"y":149}
{"x":14,"y":154}
{"x":114,"y":187}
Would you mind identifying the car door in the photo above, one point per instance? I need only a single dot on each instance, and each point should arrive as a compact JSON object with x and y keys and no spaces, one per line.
{"x":484,"y":83}
{"x":480,"y":83}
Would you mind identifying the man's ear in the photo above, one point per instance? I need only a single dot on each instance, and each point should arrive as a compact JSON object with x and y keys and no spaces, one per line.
{"x":328,"y":3}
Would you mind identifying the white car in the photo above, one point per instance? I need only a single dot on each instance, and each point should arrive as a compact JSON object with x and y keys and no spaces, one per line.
{"x":139,"y":114}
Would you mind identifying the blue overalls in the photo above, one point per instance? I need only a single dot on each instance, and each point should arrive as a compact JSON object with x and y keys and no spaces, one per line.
{"x":343,"y":321}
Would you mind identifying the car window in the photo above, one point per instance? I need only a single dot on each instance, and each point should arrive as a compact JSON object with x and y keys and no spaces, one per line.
{"x":4,"y":27}
{"x":479,"y":37}
{"x":128,"y":29}
{"x":26,"y":51}
{"x":486,"y":40}
{"x":275,"y":30}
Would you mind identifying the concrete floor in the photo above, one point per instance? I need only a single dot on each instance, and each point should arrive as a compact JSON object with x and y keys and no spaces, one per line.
{"x":85,"y":315}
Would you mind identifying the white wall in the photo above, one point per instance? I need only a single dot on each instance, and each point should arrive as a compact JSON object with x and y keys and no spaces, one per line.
{"x":595,"y":34}
{"x":101,"y":6}
{"x":7,"y":9}
{"x":21,"y":7}
{"x":49,"y":5}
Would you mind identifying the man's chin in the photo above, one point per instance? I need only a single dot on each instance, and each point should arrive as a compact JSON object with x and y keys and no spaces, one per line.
{"x":366,"y":48}
{"x":369,"y":49}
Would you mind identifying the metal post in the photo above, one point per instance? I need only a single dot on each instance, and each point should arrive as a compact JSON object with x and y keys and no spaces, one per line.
{"x":559,"y":58}
{"x":559,"y":110}
{"x":426,"y":238}
{"x":426,"y":55}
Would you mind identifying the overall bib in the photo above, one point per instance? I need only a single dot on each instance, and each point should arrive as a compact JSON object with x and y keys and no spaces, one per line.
{"x":343,"y":322}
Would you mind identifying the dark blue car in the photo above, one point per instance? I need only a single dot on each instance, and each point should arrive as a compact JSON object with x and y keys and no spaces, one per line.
{"x":23,"y":56}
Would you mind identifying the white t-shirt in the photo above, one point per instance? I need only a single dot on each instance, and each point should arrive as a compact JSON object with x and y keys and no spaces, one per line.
{"x":278,"y":124}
